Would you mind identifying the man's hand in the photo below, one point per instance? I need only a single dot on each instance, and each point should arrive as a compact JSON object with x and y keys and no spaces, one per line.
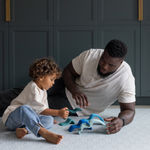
{"x":115,"y":124}
{"x":69,"y":77}
{"x":81,"y":99}
{"x":63,"y":113}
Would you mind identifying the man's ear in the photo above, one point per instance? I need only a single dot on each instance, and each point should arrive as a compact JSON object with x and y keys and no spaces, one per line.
{"x":121,"y":62}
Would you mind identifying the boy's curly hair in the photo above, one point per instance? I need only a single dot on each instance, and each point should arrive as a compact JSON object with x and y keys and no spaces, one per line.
{"x":44,"y":66}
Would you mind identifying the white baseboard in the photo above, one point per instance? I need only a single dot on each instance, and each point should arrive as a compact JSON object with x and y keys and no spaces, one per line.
{"x":138,"y":106}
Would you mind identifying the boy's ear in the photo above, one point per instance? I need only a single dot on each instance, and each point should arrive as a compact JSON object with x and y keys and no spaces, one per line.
{"x":41,"y":78}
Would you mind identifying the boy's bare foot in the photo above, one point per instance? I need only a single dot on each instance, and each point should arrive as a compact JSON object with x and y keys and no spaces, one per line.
{"x":21,"y":132}
{"x":55,"y":122}
{"x":49,"y":136}
{"x":53,"y":138}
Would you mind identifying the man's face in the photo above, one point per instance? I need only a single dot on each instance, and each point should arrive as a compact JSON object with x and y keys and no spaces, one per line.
{"x":108,"y":64}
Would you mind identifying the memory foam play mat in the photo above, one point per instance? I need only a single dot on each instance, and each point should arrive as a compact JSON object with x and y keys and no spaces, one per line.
{"x":135,"y":136}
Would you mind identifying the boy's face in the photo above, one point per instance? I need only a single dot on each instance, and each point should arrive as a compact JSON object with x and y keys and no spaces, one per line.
{"x":46,"y":82}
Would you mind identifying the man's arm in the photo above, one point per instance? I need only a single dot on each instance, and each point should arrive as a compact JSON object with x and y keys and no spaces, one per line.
{"x":69,"y":76}
{"x":127,"y":112}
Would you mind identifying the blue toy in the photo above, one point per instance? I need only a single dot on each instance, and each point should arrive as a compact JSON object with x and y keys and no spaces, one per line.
{"x":87,"y":123}
{"x":67,"y":122}
{"x":91,"y":122}
{"x":82,"y":121}
{"x":74,"y":110}
{"x":95,"y":115}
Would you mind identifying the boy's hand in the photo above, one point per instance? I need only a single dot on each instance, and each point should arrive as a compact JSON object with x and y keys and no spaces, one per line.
{"x":63,"y":113}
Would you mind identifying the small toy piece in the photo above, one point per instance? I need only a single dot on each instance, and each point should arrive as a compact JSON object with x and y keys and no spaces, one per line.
{"x":95,"y":115}
{"x":74,"y":110}
{"x":82,"y":121}
{"x":67,"y":122}
{"x":91,"y":122}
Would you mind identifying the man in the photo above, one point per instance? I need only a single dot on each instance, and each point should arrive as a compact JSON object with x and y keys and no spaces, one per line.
{"x":94,"y":80}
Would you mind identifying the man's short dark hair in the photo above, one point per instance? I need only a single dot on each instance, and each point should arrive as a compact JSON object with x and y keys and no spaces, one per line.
{"x":116,"y":48}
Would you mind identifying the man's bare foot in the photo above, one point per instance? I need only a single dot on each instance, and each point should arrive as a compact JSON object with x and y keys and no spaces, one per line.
{"x":21,"y":132}
{"x":49,"y":136}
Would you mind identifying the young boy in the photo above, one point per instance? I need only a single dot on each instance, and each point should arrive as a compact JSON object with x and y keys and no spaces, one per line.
{"x":29,"y":112}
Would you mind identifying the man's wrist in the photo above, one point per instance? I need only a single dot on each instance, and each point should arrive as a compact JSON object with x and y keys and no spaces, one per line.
{"x":124,"y":121}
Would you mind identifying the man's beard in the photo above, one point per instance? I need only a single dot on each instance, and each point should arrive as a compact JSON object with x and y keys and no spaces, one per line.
{"x":103,"y":75}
